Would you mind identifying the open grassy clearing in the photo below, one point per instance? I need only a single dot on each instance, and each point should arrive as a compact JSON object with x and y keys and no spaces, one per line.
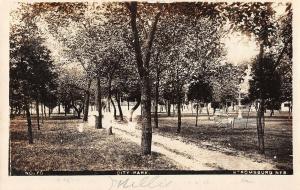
{"x":60,"y":146}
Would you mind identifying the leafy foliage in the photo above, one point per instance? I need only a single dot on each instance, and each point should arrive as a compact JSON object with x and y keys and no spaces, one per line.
{"x":265,"y":74}
{"x":200,"y":91}
{"x":32,"y":73}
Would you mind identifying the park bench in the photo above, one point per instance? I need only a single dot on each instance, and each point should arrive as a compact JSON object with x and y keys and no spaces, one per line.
{"x":223,"y":120}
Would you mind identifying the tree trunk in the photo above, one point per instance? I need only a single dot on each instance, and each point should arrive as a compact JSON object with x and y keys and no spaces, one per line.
{"x":65,"y":110}
{"x":28,"y":117}
{"x":78,"y":114}
{"x":49,"y":112}
{"x":31,"y":108}
{"x":119,"y":106}
{"x":134,"y":108}
{"x":77,"y":110}
{"x":143,"y":70}
{"x":37,"y":113}
{"x":109,"y":95}
{"x":45,"y":111}
{"x":178,"y":114}
{"x":207,"y":110}
{"x":87,"y":101}
{"x":83,"y":108}
{"x":260,"y":112}
{"x":127,"y":104}
{"x":11,"y":113}
{"x":178,"y":89}
{"x":174,"y":110}
{"x":58,"y":107}
{"x":99,"y":104}
{"x":141,"y":112}
{"x":16,"y":111}
{"x":114,"y":107}
{"x":146,"y":119}
{"x":156,"y":100}
{"x":19,"y":111}
{"x":108,"y":100}
{"x":197,"y":111}
{"x":169,"y":108}
{"x":110,"y":130}
{"x":42,"y":116}
{"x":290,"y":110}
{"x":248,"y":116}
{"x":272,"y":112}
{"x":260,"y":127}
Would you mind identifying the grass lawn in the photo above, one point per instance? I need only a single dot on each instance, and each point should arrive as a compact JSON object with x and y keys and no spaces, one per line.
{"x":236,"y":141}
{"x":60,"y":146}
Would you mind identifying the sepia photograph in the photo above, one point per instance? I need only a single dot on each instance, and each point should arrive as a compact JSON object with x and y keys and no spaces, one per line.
{"x":141,"y":88}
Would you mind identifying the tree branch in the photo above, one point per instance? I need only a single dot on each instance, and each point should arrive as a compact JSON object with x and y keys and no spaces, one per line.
{"x":150,"y":40}
{"x":132,"y":6}
{"x":281,"y":55}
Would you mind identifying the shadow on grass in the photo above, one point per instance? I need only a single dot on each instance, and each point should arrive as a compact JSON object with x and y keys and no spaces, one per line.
{"x":61,"y":146}
{"x":278,"y":139}
{"x":18,"y":136}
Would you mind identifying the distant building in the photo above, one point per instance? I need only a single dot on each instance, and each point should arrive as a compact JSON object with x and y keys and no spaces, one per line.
{"x":285,"y":106}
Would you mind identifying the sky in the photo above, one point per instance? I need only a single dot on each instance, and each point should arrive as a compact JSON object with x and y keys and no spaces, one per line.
{"x":240,"y":48}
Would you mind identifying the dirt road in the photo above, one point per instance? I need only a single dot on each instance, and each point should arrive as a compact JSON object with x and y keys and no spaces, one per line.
{"x":189,"y":156}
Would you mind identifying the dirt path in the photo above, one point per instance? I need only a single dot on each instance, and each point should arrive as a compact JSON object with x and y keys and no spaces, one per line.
{"x":188,"y":155}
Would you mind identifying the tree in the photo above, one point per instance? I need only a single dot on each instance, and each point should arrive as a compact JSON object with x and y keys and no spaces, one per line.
{"x":50,"y":99}
{"x":66,"y":28}
{"x":72,"y":88}
{"x":199,"y":91}
{"x":285,"y":55}
{"x":196,"y":50}
{"x":122,"y":77}
{"x":170,"y":33}
{"x":142,"y":63}
{"x":181,"y":71}
{"x":168,"y":92}
{"x":32,"y":73}
{"x":87,"y":100}
{"x":225,"y":81}
{"x":263,"y":92}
